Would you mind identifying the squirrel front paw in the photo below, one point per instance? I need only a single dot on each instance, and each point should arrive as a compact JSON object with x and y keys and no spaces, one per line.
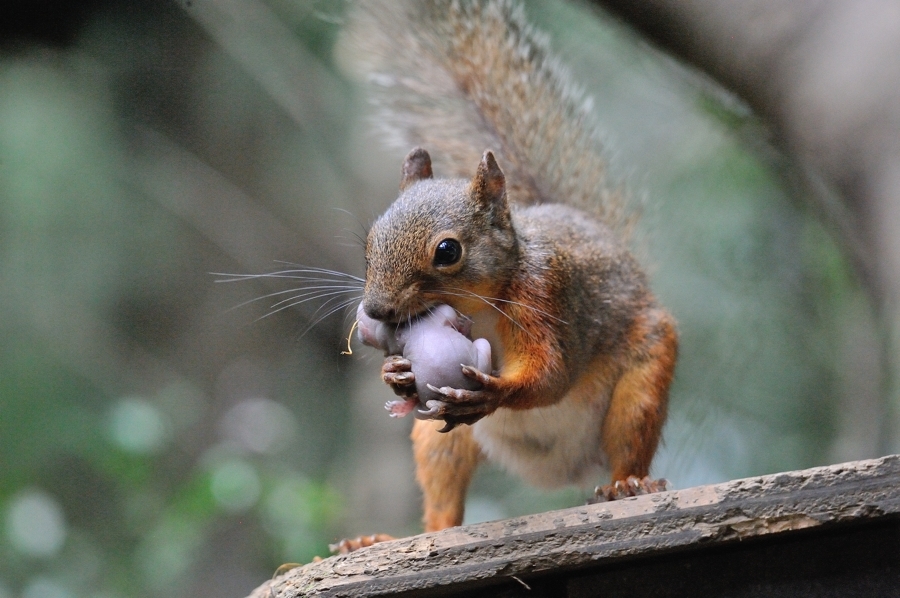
{"x":463,"y":406}
{"x":397,"y":373}
{"x":450,"y":415}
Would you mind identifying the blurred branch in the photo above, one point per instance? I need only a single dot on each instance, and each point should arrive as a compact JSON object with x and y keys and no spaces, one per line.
{"x":267,"y":50}
{"x":826,"y":76}
{"x":200,"y":195}
{"x":89,"y":346}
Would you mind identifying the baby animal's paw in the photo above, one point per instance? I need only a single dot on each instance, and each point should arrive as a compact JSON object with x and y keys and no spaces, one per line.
{"x":401,"y":407}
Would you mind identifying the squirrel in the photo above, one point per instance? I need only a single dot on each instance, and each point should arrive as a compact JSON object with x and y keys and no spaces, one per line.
{"x":529,"y":241}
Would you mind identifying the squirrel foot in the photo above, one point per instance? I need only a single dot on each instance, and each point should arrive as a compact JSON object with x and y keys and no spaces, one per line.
{"x":397,"y":373}
{"x":347,"y":546}
{"x":630,"y":486}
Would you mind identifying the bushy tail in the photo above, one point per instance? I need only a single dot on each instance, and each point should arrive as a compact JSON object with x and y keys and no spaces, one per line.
{"x":458,"y":77}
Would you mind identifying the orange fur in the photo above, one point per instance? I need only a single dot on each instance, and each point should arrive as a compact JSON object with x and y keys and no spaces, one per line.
{"x":633,"y":424}
{"x":579,"y":339}
{"x":532,"y":374}
{"x":444,"y":467}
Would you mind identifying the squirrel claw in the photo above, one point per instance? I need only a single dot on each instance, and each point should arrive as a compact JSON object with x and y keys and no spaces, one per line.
{"x":397,"y":373}
{"x":462,"y":407}
{"x":461,"y":398}
{"x":434,"y":407}
{"x":474,"y":373}
{"x":400,"y":379}
{"x":447,"y":427}
{"x":347,"y":546}
{"x":396,"y":363}
{"x":630,"y":486}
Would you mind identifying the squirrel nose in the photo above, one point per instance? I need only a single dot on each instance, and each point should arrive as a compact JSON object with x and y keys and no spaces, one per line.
{"x":383,"y":313}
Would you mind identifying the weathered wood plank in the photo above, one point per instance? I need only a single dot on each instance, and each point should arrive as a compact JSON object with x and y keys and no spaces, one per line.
{"x":474,"y":556}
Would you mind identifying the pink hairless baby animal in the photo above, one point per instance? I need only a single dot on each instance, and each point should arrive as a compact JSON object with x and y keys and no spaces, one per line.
{"x":437,"y":344}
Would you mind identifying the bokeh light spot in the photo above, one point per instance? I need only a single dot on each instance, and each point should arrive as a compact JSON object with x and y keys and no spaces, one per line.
{"x":235,"y":485}
{"x":41,"y":587}
{"x":138,"y":426}
{"x":35,"y":524}
{"x":260,"y":425}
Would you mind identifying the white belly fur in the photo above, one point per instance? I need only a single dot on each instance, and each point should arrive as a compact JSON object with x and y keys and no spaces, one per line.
{"x":550,"y":446}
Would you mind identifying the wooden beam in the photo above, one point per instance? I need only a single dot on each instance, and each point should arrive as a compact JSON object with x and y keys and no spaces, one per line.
{"x":513,"y":553}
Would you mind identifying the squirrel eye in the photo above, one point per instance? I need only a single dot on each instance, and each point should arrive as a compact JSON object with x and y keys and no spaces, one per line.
{"x":447,"y":252}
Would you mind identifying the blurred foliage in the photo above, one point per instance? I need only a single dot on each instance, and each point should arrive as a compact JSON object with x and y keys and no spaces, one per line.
{"x":156,"y":441}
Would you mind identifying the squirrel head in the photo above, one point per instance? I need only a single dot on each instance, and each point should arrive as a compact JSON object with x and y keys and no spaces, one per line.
{"x":442,"y":241}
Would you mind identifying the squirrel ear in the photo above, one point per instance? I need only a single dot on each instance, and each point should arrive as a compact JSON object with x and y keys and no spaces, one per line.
{"x":489,"y":184}
{"x":416,"y":167}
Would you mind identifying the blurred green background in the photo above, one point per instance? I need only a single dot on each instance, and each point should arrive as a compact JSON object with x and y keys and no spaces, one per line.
{"x":159,"y":438}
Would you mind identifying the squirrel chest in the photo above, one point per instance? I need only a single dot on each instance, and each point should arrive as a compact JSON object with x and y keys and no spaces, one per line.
{"x":547,"y":446}
{"x":550,"y":446}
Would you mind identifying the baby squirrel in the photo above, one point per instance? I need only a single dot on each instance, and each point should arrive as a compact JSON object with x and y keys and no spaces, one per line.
{"x":437,"y":346}
{"x":531,"y":247}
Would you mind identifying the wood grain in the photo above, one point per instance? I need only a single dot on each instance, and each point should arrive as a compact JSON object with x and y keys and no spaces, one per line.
{"x":471,"y":558}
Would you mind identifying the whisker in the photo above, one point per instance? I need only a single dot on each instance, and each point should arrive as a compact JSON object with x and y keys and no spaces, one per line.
{"x":292,"y":274}
{"x":347,"y":288}
{"x":314,"y":293}
{"x":355,"y":217}
{"x":331,"y":287}
{"x":341,"y":305}
{"x":347,"y":243}
{"x":331,"y":310}
{"x":360,"y":242}
{"x":301,"y":299}
{"x":520,"y":304}
{"x":485,"y":300}
{"x":310,"y":269}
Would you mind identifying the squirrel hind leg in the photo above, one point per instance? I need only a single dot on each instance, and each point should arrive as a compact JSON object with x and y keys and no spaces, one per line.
{"x":445,"y":464}
{"x":637,"y":409}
